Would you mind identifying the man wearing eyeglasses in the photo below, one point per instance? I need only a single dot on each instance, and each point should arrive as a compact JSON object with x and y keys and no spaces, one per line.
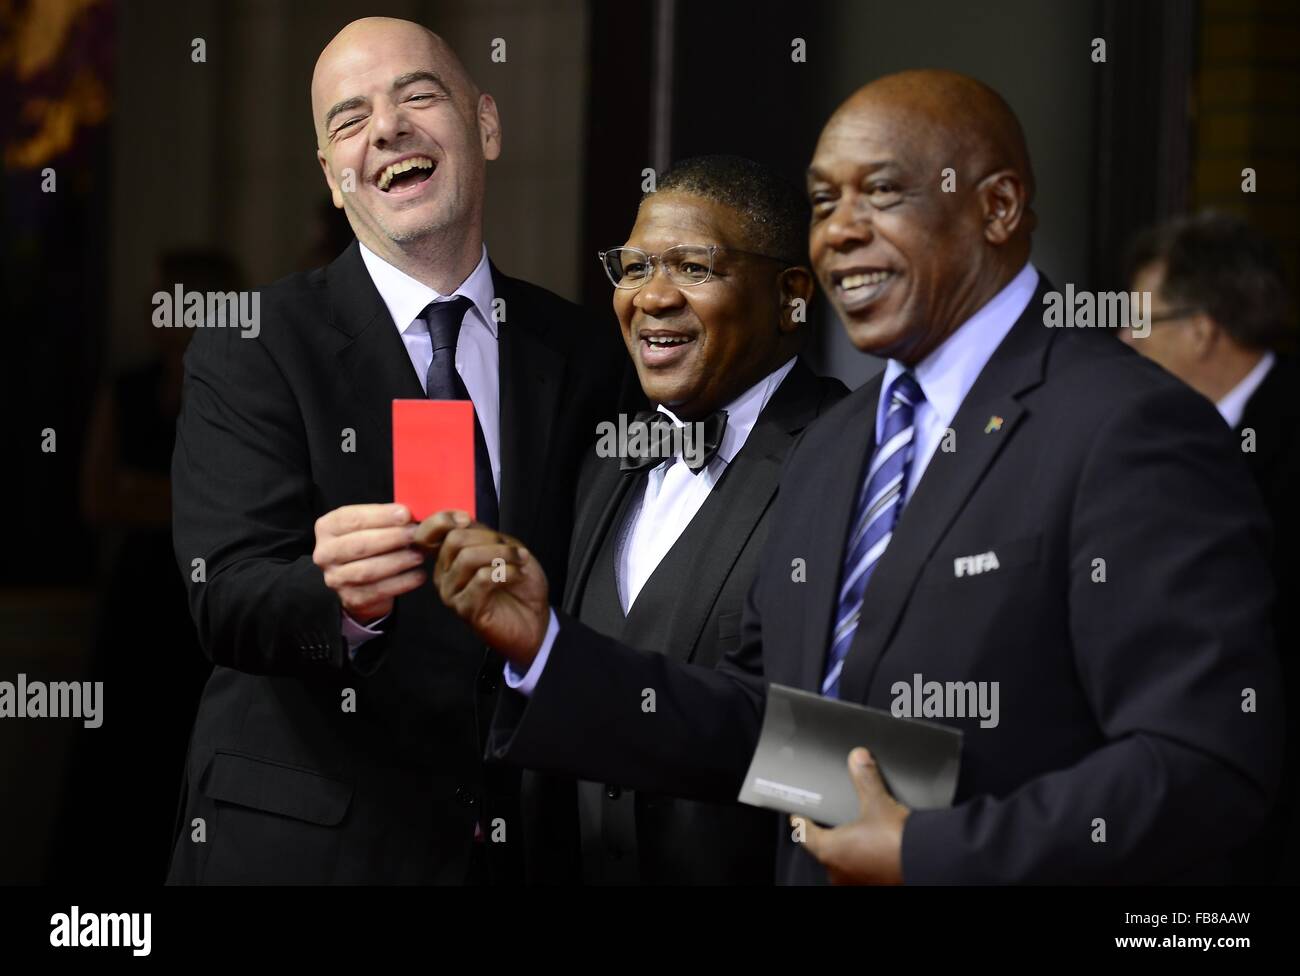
{"x":1221,"y":320}
{"x":711,"y":292}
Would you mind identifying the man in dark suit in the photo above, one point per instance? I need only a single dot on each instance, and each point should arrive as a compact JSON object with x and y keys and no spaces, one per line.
{"x":711,"y":293}
{"x":341,"y":734}
{"x":1221,"y":321}
{"x":1008,"y":503}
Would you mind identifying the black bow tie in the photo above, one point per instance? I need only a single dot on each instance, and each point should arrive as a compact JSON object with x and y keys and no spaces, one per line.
{"x":661,"y":433}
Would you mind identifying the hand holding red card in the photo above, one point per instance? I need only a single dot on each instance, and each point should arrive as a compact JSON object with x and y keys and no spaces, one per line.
{"x":433,"y":456}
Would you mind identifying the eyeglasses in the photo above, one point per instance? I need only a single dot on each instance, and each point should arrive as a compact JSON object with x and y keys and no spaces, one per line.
{"x":685,"y":264}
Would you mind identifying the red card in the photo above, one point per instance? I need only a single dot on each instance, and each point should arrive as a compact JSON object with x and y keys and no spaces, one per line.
{"x":433,"y":456}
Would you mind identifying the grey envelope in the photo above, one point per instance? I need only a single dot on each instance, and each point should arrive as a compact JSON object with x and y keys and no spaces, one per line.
{"x":800,"y":764}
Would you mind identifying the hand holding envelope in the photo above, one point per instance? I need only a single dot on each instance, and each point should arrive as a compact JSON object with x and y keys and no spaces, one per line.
{"x":868,"y":850}
{"x":798,"y":768}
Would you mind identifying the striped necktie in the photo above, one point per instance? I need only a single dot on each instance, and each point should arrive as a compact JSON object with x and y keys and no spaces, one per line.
{"x":879,"y":504}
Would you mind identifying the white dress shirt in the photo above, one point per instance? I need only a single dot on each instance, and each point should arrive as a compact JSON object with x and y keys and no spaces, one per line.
{"x":673,"y":494}
{"x":1233,"y":406}
{"x":945,"y":376}
{"x":477,"y":362}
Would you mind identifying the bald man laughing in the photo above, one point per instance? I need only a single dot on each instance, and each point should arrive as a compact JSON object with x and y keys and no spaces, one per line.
{"x":341,"y":734}
{"x":1013,"y":507}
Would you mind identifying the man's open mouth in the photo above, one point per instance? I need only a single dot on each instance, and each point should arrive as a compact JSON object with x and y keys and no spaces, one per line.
{"x":405,"y":173}
{"x":662,"y":347}
{"x":859,"y":287}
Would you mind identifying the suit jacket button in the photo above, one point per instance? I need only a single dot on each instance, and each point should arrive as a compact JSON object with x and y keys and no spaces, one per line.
{"x":613,"y":792}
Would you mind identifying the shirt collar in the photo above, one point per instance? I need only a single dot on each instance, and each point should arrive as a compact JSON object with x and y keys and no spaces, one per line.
{"x":742,"y":412}
{"x":407,"y":298}
{"x":1233,"y":406}
{"x":947,"y":374}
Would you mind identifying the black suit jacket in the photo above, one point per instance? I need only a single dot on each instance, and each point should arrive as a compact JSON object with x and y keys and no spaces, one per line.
{"x":292,"y":786}
{"x":1121,"y":702}
{"x":1272,"y":422}
{"x":693,"y":617}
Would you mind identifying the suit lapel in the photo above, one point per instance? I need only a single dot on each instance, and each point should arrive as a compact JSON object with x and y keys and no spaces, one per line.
{"x":532,"y":374}
{"x":828,"y":526}
{"x":374,"y":360}
{"x":949,"y":480}
{"x":748,"y":486}
{"x":595,"y":517}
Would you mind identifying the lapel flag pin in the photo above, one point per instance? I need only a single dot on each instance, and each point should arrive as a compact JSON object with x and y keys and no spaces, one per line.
{"x":995,"y":423}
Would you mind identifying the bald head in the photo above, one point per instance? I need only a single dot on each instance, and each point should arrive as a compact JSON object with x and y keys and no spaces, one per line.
{"x":920,"y":186}
{"x":354,"y":47}
{"x":965,"y":122}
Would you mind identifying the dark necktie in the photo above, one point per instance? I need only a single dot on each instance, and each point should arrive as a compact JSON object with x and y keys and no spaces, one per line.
{"x":442,"y":382}
{"x":661,"y":445}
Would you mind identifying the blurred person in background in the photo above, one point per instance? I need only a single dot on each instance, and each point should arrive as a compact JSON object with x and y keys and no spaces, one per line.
{"x":1221,"y":321}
